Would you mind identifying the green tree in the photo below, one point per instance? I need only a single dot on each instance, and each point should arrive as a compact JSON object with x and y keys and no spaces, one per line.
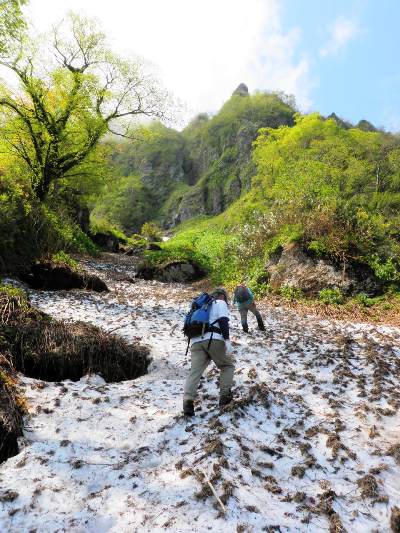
{"x":63,"y":107}
{"x":12,"y":24}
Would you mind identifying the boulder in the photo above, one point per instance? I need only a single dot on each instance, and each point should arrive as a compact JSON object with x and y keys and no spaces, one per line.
{"x":134,"y":250}
{"x":153,"y":246}
{"x":292,"y":267}
{"x":61,"y":277}
{"x":174,"y":271}
{"x":106,"y":240}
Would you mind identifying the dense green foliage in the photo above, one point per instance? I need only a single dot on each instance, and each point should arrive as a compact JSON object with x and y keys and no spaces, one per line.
{"x":125,"y":203}
{"x":238,"y":120}
{"x":12,"y":25}
{"x":336,"y":190}
{"x":237,"y":186}
{"x":146,"y":171}
{"x":202,"y":240}
{"x":339,"y":187}
{"x":52,"y":164}
{"x":331,"y":296}
{"x":29,"y":229}
{"x":172,"y":176}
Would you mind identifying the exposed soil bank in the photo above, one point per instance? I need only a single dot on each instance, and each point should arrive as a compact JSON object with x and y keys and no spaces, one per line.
{"x":61,"y":277}
{"x":33,"y":343}
{"x":11,"y":410}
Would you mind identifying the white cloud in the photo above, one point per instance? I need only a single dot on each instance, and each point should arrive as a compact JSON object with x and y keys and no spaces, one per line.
{"x":340,"y":33}
{"x":203,"y":49}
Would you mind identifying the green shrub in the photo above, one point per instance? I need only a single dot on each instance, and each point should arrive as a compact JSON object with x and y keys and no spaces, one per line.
{"x":331,"y":296}
{"x":151,"y":232}
{"x":366,"y":301}
{"x":137,"y":240}
{"x":102,"y":225}
{"x":14,"y":292}
{"x":29,"y":229}
{"x":60,"y":233}
{"x":319,"y":247}
{"x":260,"y":289}
{"x":384,"y":269}
{"x":62,"y":258}
{"x":291,"y":293}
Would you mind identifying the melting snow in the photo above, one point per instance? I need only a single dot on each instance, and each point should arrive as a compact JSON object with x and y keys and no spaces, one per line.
{"x":317,"y":409}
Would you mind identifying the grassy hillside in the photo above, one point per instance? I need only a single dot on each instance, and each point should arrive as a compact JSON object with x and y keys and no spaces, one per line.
{"x":334,"y":190}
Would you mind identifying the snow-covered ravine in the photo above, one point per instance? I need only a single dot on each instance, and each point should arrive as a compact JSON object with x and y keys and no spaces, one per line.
{"x":303,"y":448}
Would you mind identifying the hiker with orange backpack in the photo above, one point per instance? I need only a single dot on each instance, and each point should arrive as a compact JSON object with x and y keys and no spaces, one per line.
{"x":244,"y":300}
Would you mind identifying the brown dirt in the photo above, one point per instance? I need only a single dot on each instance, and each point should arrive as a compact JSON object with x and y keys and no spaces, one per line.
{"x":394,"y":451}
{"x":387,"y":314}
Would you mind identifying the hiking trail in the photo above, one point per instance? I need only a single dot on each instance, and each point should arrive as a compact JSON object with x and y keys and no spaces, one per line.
{"x":311,"y":442}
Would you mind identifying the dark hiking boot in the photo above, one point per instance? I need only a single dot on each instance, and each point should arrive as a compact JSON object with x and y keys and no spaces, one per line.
{"x":224,"y":399}
{"x":245,"y":328}
{"x":188,"y":408}
{"x":261,"y":327}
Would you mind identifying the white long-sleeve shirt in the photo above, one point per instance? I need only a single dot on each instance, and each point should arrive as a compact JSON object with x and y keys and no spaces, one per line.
{"x":218,"y":310}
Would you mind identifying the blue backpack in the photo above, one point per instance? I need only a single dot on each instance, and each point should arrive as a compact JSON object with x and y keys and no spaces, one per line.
{"x":197,"y":319}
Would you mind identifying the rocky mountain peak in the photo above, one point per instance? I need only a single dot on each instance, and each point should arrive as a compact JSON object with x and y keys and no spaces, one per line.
{"x":241,"y":90}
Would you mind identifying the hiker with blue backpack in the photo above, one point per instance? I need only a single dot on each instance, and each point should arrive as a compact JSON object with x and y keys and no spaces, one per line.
{"x":244,"y":300}
{"x":207,"y":328}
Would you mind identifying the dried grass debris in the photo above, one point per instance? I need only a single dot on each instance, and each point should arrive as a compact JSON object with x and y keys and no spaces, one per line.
{"x":368,"y":486}
{"x":394,"y":451}
{"x":395,"y":520}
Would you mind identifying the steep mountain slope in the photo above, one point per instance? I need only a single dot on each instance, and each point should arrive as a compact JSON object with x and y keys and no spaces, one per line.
{"x":173,"y":176}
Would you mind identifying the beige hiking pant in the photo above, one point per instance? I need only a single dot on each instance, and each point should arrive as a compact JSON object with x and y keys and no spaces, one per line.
{"x":200,"y":360}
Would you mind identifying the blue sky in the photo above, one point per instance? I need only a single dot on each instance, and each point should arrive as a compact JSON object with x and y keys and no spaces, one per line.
{"x":360,"y":78}
{"x":332,"y":55}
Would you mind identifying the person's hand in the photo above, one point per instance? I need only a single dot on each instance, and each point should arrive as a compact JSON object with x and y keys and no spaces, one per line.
{"x":229,"y":347}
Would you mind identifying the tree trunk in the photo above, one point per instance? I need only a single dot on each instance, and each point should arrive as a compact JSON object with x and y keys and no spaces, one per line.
{"x":41,"y":190}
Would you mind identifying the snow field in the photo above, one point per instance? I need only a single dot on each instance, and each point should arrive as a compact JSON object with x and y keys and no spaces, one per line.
{"x":302,"y":448}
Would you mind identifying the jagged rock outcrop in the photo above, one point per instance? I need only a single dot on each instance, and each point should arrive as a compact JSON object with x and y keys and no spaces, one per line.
{"x":241,"y":90}
{"x":365,"y":125}
{"x":339,"y":121}
{"x":160,"y":176}
{"x":200,"y":171}
{"x":221,"y":154}
{"x":191,"y":205}
{"x":291,"y":267}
